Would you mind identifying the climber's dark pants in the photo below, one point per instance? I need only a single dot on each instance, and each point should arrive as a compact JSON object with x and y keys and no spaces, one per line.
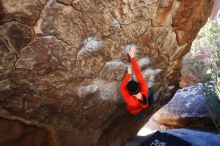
{"x":151,"y":101}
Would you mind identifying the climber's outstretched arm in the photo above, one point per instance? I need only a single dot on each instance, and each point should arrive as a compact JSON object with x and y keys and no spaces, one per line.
{"x":137,"y":72}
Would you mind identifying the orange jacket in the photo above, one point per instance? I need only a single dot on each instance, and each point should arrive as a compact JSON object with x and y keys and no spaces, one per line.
{"x":133,"y":105}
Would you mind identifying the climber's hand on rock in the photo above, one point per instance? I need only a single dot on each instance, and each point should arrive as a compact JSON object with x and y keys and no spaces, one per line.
{"x":129,"y":69}
{"x":131,"y":52}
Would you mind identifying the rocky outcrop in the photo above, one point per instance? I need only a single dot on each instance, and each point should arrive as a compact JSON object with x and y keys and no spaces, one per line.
{"x":62,"y":61}
{"x":186,"y":109}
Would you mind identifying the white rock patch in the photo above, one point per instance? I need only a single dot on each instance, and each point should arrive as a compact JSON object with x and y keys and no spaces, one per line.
{"x":187,"y":104}
{"x":84,"y":91}
{"x":114,"y":63}
{"x":108,"y":90}
{"x":149,"y":74}
{"x":90,"y":45}
{"x":115,"y":23}
{"x":171,"y":87}
{"x":143,"y":62}
{"x":76,"y":1}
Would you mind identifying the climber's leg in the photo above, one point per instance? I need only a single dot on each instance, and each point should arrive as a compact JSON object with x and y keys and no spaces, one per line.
{"x":151,"y":97}
{"x":140,"y":115}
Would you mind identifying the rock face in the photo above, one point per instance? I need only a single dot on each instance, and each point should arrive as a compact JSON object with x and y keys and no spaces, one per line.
{"x":62,"y":61}
{"x":186,"y":109}
{"x":15,"y":131}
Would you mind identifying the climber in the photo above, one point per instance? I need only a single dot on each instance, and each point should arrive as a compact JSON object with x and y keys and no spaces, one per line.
{"x":137,"y":95}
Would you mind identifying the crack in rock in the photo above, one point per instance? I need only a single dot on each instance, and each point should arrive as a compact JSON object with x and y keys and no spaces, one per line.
{"x":37,"y":26}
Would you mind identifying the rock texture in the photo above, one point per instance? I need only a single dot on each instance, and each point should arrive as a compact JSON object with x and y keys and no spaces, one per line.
{"x":186,"y":109}
{"x":62,"y":61}
{"x":15,"y":131}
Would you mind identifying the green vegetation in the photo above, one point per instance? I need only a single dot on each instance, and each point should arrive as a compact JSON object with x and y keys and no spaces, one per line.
{"x":204,"y":62}
{"x":204,"y":57}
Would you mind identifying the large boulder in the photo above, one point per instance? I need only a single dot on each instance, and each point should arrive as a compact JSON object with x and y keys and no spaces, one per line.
{"x":62,"y":61}
{"x":186,"y":109}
